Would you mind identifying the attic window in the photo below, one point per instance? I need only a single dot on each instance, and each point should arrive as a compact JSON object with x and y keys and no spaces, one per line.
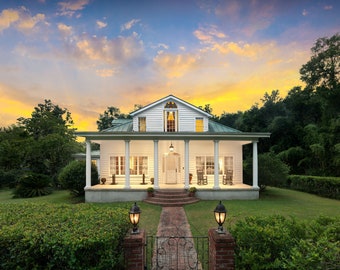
{"x":170,"y":105}
{"x":170,"y":117}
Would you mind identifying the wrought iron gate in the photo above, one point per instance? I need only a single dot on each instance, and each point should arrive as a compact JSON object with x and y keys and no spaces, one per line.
{"x":177,"y":253}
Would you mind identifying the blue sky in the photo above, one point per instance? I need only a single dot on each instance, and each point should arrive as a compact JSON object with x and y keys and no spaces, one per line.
{"x":86,"y":55}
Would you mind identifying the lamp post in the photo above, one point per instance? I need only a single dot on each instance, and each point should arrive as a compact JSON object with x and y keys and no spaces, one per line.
{"x":134,"y":215}
{"x":220,"y":215}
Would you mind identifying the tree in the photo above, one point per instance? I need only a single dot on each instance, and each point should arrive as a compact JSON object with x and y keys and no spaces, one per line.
{"x":323,"y":69}
{"x":51,"y":139}
{"x":105,"y":119}
{"x":322,"y":73}
{"x":47,"y":119}
{"x":207,"y":108}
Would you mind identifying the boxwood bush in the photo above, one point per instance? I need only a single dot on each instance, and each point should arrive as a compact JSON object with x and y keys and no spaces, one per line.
{"x":45,"y":236}
{"x":276,"y":242}
{"x":323,"y":186}
{"x":73,"y":177}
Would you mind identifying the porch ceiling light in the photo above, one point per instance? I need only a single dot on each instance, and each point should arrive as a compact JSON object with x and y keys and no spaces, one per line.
{"x":220,"y":215}
{"x":171,"y":148}
{"x":134,"y":215}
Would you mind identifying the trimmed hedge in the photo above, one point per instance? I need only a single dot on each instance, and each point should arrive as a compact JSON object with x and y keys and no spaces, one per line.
{"x":328,"y":187}
{"x":45,"y":236}
{"x":276,"y":242}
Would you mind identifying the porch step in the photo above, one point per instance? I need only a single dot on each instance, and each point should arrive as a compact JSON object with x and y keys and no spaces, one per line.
{"x":171,"y":198}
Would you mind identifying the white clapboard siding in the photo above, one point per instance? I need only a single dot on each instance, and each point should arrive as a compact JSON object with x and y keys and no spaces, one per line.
{"x":186,"y":118}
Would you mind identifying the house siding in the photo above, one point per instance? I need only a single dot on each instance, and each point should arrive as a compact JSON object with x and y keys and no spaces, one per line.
{"x":146,"y":148}
{"x":186,"y":118}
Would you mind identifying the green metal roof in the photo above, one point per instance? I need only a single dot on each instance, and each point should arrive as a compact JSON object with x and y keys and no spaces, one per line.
{"x":217,"y":127}
{"x":120,"y":125}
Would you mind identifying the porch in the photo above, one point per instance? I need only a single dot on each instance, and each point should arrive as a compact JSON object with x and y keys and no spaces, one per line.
{"x":118,"y":193}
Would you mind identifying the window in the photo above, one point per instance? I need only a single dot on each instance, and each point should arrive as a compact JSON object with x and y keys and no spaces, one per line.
{"x":142,"y":124}
{"x":205,"y":164}
{"x":170,"y":122}
{"x":138,"y":165}
{"x":199,"y":124}
{"x":170,"y":117}
{"x":228,"y":164}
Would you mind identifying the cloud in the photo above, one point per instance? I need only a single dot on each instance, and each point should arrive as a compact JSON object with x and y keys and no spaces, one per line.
{"x":20,"y":19}
{"x":329,"y":7}
{"x":253,"y":51}
{"x":128,"y":25}
{"x":70,"y":8}
{"x":64,"y":29}
{"x":105,"y":72}
{"x":101,"y":24}
{"x":106,"y":56}
{"x":208,"y":34}
{"x":247,"y":16}
{"x":176,"y":65}
{"x":8,"y":17}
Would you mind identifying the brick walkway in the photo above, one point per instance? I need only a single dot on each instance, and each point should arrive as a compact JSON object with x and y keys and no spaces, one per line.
{"x":174,"y":248}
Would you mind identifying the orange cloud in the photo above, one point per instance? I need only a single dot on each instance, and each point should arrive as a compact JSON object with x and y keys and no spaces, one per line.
{"x":176,"y":65}
{"x":19,"y":19}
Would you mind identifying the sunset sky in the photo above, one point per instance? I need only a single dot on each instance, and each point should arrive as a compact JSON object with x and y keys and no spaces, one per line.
{"x":86,"y":55}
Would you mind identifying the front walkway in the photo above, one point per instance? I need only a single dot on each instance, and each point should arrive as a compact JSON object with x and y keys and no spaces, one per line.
{"x":174,"y":248}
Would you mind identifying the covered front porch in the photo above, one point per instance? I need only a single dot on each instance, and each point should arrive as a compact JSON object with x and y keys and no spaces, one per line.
{"x":219,"y":148}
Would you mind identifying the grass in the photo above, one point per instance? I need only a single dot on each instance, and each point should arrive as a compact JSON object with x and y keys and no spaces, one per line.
{"x":273,"y":201}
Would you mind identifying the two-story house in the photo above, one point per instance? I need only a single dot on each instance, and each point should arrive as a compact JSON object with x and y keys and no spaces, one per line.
{"x":170,"y":144}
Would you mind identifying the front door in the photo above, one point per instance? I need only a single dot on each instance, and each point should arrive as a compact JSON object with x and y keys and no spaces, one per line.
{"x":172,"y":168}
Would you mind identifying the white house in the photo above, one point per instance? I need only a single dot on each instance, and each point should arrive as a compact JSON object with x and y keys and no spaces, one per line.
{"x":169,"y":144}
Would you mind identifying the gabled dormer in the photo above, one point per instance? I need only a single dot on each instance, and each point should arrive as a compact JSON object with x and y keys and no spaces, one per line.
{"x":170,"y":114}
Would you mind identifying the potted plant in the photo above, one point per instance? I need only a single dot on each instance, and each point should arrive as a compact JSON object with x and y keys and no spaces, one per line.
{"x":192,"y":191}
{"x":150,"y":191}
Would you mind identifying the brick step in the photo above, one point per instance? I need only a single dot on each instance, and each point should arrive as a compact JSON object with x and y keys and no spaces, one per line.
{"x":171,"y":198}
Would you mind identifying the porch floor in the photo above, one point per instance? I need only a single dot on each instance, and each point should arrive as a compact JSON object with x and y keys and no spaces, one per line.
{"x":170,"y":186}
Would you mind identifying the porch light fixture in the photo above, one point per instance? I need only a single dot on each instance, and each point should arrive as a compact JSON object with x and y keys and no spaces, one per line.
{"x":134,"y":215}
{"x":220,"y":215}
{"x":171,"y":148}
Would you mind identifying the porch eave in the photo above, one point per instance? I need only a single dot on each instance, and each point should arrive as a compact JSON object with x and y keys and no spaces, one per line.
{"x":236,"y":136}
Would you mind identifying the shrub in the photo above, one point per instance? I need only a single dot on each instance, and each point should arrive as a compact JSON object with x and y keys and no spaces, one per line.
{"x":33,"y":185}
{"x":271,"y":171}
{"x":73,"y":177}
{"x":46,"y":236}
{"x":276,"y":242}
{"x":9,"y":178}
{"x":323,"y":186}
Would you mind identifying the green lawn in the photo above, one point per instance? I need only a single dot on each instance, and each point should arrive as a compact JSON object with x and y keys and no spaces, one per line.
{"x":273,"y":201}
{"x":284,"y":202}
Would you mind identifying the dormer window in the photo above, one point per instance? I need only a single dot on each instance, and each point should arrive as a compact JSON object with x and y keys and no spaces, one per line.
{"x":170,"y":117}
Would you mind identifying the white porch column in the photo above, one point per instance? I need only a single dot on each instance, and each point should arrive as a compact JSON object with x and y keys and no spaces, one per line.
{"x":88,"y":164}
{"x":127,"y":164}
{"x":186,"y":164}
{"x":216,"y":175}
{"x":255,"y":165}
{"x":155,"y":157}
